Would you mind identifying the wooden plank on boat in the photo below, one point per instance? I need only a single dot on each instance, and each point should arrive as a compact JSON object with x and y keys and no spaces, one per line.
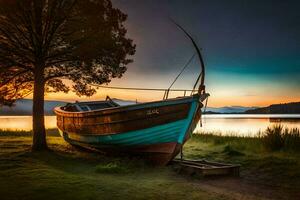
{"x":205,"y":168}
{"x":120,"y":122}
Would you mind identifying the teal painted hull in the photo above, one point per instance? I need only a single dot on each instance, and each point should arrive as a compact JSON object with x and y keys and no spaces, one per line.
{"x":166,"y":133}
{"x":155,"y":131}
{"x":161,"y":134}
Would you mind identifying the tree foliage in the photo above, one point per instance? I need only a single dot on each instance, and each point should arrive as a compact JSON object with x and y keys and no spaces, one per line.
{"x":46,"y":41}
{"x":43,"y":42}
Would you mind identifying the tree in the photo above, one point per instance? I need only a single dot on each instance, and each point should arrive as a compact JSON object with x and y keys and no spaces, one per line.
{"x":44,"y":42}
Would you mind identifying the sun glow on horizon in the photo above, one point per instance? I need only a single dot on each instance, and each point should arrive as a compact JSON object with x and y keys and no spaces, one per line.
{"x":215,"y":100}
{"x":229,"y":90}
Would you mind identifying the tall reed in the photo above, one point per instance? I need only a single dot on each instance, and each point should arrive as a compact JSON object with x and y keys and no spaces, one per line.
{"x":279,"y":138}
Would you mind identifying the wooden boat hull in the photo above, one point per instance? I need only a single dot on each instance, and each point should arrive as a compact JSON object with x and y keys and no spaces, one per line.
{"x":155,"y":131}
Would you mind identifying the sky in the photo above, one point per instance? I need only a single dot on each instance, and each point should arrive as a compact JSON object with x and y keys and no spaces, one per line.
{"x":251,"y":50}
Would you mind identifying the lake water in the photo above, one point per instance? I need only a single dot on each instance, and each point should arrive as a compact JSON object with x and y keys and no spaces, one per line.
{"x":245,"y":124}
{"x":227,"y":124}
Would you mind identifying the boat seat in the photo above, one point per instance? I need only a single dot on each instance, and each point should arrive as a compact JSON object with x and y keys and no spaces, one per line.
{"x":70,"y":107}
{"x":82,"y":107}
{"x":89,"y":106}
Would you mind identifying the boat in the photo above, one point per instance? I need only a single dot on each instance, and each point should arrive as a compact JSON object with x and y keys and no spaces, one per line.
{"x":155,"y":131}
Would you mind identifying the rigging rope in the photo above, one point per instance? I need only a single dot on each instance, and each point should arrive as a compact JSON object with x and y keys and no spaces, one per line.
{"x":204,"y":111}
{"x":202,"y":75}
{"x":156,"y":89}
{"x":152,"y":89}
{"x":206,"y":104}
{"x":196,"y":83}
{"x":185,"y":66}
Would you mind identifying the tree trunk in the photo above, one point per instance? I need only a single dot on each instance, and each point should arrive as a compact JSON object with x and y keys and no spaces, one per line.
{"x":39,"y":133}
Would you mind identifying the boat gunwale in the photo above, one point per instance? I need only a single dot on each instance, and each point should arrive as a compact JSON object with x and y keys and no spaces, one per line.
{"x":60,"y":112}
{"x":128,"y":120}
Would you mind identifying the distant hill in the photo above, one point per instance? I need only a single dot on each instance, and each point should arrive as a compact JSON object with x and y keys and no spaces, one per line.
{"x":287,"y":108}
{"x":227,"y":109}
{"x":24,"y":107}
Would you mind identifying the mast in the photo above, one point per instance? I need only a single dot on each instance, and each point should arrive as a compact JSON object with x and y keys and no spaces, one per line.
{"x":201,"y":77}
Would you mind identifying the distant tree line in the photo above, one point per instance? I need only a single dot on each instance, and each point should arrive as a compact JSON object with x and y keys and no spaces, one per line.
{"x":287,"y":108}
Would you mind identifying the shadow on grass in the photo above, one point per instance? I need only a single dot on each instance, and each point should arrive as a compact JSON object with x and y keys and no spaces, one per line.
{"x":230,"y":151}
{"x":53,"y":132}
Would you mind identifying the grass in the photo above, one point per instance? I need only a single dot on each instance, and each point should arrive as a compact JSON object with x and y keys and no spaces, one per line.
{"x":277,"y":167}
{"x":274,"y":138}
{"x":68,"y":173}
{"x":113,"y":168}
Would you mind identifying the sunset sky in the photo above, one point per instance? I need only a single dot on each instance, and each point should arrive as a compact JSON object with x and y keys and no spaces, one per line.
{"x":251,"y":50}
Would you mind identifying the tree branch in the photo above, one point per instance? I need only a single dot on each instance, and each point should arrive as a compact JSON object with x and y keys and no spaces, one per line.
{"x":13,"y":77}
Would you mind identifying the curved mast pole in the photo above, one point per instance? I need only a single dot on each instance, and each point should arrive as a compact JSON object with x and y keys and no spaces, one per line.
{"x":201,"y":76}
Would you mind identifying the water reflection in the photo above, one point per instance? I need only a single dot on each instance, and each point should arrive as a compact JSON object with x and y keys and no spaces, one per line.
{"x":236,"y":124}
{"x":24,"y":122}
{"x":245,"y":125}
